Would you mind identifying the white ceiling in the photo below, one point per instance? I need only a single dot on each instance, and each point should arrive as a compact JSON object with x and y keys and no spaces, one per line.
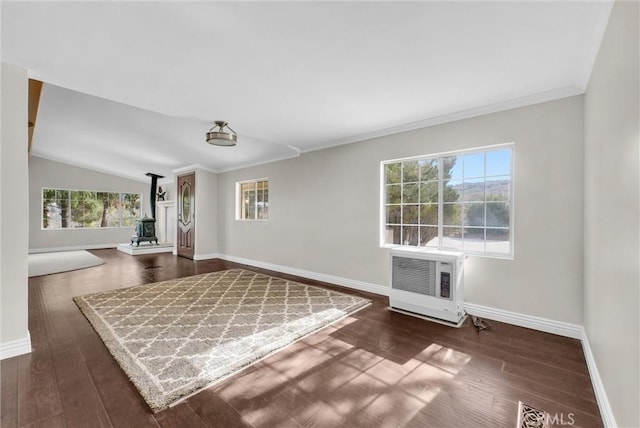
{"x":132,"y":88}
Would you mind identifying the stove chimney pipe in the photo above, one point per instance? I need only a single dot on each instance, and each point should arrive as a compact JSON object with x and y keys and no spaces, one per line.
{"x":152,"y":194}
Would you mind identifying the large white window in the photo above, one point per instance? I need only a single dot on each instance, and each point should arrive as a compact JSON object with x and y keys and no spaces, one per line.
{"x":252,"y":200}
{"x":459,"y":201}
{"x":63,"y":208}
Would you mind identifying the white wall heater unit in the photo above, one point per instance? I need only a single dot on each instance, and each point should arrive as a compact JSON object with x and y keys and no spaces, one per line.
{"x":428,"y":283}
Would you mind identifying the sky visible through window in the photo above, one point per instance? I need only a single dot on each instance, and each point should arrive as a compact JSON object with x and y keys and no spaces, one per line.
{"x":473,"y":165}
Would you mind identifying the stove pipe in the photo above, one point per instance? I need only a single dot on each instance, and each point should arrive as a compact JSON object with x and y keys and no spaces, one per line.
{"x":152,"y":193}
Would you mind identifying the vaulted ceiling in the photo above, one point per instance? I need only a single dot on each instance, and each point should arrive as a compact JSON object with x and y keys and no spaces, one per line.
{"x":131,"y":87}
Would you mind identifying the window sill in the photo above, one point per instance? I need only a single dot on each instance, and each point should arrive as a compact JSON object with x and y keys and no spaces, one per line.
{"x":447,"y":250}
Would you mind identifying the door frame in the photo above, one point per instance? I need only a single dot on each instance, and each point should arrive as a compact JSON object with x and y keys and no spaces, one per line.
{"x":184,"y":251}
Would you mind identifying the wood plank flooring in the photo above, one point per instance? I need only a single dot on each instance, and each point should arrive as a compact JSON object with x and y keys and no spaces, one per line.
{"x":376,"y":368}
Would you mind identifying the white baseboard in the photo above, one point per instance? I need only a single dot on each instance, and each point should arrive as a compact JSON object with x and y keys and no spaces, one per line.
{"x":206,"y":256}
{"x":14,"y":348}
{"x":598,"y":387}
{"x":529,"y":321}
{"x":22,"y":346}
{"x":72,"y":248}
{"x":338,"y":280}
{"x":563,"y":329}
{"x":522,"y":320}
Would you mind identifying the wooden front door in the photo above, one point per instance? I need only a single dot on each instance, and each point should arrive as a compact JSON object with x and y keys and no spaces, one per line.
{"x":186,"y":215}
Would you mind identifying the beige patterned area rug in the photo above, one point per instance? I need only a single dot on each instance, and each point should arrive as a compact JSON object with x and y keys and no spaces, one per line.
{"x":175,"y":337}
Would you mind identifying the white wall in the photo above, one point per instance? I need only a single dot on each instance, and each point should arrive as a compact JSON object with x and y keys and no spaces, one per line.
{"x":612,"y":213}
{"x":48,"y":173}
{"x":206,"y":208}
{"x":14,"y":204}
{"x":324,"y":209}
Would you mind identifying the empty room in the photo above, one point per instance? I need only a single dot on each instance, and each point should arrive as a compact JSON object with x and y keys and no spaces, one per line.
{"x":320,"y":214}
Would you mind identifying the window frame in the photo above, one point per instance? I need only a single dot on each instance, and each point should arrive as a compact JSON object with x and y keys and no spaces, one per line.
{"x":69,"y":209}
{"x":239,"y":201}
{"x":439,"y":156}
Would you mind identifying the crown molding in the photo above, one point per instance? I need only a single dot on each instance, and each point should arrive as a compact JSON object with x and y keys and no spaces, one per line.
{"x":527,"y":101}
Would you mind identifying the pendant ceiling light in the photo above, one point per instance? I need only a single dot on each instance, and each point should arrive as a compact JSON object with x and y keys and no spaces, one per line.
{"x":219,"y":137}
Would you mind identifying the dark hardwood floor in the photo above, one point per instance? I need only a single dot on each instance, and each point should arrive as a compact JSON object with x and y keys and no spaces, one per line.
{"x":376,"y":368}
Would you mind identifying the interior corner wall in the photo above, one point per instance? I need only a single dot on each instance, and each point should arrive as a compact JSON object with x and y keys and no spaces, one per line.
{"x":206,"y":209}
{"x":324,"y":209}
{"x":612,"y":213}
{"x":14,"y":226}
{"x":47,"y":173}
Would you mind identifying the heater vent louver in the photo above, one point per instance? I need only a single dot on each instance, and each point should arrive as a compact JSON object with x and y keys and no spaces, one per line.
{"x":414,"y":275}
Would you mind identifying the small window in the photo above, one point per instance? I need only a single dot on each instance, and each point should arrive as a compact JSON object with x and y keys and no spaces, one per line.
{"x":85,"y":209}
{"x":453,"y":201}
{"x":253,"y":200}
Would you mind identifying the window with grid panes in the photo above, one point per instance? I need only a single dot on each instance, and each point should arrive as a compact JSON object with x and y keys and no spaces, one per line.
{"x":456,"y":201}
{"x":253,"y":200}
{"x":63,"y":208}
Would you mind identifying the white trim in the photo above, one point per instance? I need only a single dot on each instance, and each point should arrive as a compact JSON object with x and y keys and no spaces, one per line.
{"x":337,"y":280}
{"x":72,"y":248}
{"x":523,"y":320}
{"x":526,"y":101}
{"x":208,"y":256}
{"x":14,"y":348}
{"x":262,"y":162}
{"x":598,"y":387}
{"x":574,"y":331}
{"x":237,"y":167}
{"x":192,"y":168}
{"x":529,"y":321}
{"x":561,"y":328}
{"x":473,"y":150}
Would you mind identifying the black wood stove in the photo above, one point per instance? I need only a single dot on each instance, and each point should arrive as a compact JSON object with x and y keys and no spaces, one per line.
{"x":146,"y":227}
{"x":145,"y":232}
